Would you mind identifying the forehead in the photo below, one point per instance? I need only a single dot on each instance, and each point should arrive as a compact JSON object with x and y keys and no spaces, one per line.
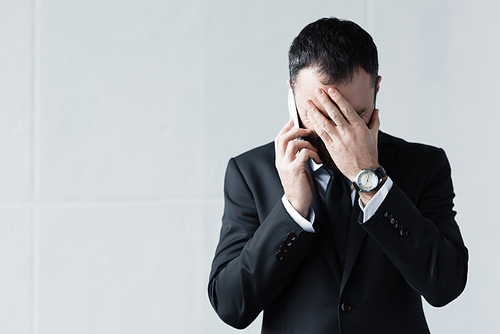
{"x":359,"y":92}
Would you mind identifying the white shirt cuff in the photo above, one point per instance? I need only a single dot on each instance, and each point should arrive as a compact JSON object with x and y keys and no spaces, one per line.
{"x":373,"y":205}
{"x":305,"y":224}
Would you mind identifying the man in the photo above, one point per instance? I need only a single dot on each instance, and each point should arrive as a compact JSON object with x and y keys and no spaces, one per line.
{"x":344,"y":231}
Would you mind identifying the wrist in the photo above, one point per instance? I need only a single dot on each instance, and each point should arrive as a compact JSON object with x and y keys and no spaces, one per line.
{"x":303,"y":212}
{"x":301,"y":209}
{"x":368,"y":195}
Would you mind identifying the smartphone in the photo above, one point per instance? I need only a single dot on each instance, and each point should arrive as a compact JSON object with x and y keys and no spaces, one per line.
{"x":292,"y":109}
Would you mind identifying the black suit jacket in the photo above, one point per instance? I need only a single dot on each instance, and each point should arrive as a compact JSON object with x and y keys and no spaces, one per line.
{"x":410,"y":248}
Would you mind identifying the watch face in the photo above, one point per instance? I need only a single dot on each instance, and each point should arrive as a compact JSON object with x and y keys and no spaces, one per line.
{"x":367,"y":181}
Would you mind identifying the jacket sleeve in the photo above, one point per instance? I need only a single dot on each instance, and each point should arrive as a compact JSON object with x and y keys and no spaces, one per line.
{"x":249,"y":270}
{"x":420,"y":235}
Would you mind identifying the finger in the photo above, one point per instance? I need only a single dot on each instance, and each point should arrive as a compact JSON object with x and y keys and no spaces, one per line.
{"x":325,"y":137}
{"x":316,"y":158}
{"x":283,"y":130}
{"x":324,"y":127}
{"x":286,"y":134}
{"x":330,"y":107}
{"x":286,"y":127}
{"x":294,"y":134}
{"x":291,"y":135}
{"x":345,"y":107}
{"x":307,"y":154}
{"x":295,"y":147}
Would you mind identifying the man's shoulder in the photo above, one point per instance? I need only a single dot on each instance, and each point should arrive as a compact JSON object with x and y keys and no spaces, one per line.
{"x":261,"y":153}
{"x":405,"y":146}
{"x":256,"y":164}
{"x":400,"y":155}
{"x":257,"y":161}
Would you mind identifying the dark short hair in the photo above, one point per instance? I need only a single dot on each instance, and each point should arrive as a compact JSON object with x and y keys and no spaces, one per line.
{"x":336,"y":49}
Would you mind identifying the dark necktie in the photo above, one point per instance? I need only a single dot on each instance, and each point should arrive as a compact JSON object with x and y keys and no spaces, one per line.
{"x":338,"y":207}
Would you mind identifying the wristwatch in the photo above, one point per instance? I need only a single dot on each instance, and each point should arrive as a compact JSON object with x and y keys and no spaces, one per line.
{"x":368,"y":179}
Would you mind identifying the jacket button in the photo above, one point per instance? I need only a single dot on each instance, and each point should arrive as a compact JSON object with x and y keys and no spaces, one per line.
{"x":287,"y":242}
{"x":283,"y":248}
{"x":403,"y":233}
{"x":393,"y":221}
{"x":388,"y":215}
{"x":291,"y":236}
{"x":279,"y":255}
{"x":345,"y":307}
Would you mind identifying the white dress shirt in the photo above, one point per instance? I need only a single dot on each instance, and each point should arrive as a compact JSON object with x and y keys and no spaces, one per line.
{"x":322,"y":178}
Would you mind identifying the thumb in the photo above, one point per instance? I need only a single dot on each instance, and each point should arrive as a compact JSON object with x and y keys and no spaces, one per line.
{"x":374,"y":124}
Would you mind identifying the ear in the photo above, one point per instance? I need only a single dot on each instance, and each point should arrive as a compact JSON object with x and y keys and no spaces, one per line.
{"x":378,"y":84}
{"x":289,"y":85}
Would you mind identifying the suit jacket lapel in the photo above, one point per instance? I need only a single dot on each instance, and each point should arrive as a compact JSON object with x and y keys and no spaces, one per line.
{"x":321,"y":227}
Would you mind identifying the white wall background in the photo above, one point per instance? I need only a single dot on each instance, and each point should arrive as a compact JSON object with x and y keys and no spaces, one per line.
{"x":117,"y":119}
